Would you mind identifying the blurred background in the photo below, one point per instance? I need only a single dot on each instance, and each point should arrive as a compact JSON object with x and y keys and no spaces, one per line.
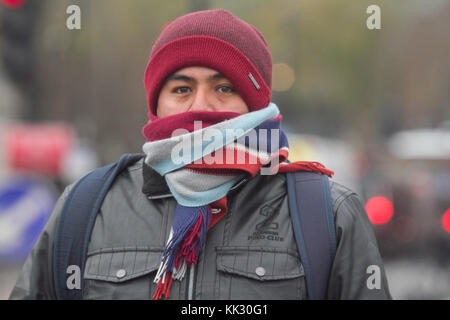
{"x":373,"y":105}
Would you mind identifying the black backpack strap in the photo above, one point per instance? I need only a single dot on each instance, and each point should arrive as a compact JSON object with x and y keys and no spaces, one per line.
{"x":314,"y":230}
{"x":75,"y":226}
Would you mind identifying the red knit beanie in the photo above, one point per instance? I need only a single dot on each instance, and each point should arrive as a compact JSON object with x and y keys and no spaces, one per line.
{"x":218,"y":40}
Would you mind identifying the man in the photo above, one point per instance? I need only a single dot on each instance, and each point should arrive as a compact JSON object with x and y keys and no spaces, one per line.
{"x":186,"y":223}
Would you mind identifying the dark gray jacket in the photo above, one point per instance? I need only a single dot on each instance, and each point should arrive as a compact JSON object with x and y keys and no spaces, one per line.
{"x":250,"y":254}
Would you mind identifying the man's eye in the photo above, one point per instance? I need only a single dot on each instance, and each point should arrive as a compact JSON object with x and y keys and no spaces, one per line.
{"x":181,"y":90}
{"x":225,"y":89}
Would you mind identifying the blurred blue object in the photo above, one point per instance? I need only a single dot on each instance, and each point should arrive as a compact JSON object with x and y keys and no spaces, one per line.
{"x":25,"y":205}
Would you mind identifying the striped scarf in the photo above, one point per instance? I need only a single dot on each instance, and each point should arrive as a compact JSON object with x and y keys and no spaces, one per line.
{"x":202,"y":155}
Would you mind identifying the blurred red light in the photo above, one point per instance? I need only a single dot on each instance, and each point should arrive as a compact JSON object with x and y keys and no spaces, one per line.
{"x":446,"y":220}
{"x":37,"y":147}
{"x":13,"y":4}
{"x":379,"y":210}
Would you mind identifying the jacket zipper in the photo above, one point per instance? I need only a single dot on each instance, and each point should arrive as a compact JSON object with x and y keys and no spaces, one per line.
{"x":191,"y":282}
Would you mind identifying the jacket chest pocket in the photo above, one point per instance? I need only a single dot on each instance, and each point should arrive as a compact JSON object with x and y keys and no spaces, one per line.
{"x":121,"y":273}
{"x":259,"y":273}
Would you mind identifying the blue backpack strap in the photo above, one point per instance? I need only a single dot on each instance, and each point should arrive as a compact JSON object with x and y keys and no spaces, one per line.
{"x":313,"y":223}
{"x":75,"y":225}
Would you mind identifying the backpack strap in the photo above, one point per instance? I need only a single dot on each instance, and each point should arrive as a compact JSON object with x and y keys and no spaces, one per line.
{"x":314,"y":230}
{"x":75,"y":225}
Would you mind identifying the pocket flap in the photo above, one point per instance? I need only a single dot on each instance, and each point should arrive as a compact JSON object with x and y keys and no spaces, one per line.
{"x":260,"y":263}
{"x":121,"y":264}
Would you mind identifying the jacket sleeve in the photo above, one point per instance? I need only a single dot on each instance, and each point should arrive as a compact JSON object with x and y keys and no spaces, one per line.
{"x":35,"y":281}
{"x":357,"y":271}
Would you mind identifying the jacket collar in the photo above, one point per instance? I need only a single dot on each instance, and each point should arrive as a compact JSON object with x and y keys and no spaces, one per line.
{"x":154,"y":185}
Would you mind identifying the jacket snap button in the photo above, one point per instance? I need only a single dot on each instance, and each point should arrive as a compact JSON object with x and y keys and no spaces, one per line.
{"x":121,"y":273}
{"x":260,"y":271}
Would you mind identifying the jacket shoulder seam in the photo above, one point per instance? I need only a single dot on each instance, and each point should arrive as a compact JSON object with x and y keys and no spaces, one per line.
{"x":342,"y":197}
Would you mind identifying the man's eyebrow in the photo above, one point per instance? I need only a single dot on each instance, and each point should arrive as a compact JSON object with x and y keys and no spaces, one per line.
{"x":182,"y":77}
{"x":179,"y":77}
{"x":217,"y":76}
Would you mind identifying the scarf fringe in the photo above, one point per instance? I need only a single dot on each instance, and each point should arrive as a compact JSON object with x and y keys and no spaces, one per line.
{"x":311,"y":166}
{"x":183,"y":246}
{"x":190,"y":247}
{"x":163,"y":287}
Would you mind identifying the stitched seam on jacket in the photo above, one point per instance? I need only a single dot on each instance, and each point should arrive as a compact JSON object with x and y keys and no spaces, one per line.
{"x":341,"y":199}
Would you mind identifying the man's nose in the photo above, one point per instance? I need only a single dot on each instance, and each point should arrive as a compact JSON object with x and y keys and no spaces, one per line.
{"x":202,"y":101}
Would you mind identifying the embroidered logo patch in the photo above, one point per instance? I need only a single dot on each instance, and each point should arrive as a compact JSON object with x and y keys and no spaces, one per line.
{"x":267,"y":229}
